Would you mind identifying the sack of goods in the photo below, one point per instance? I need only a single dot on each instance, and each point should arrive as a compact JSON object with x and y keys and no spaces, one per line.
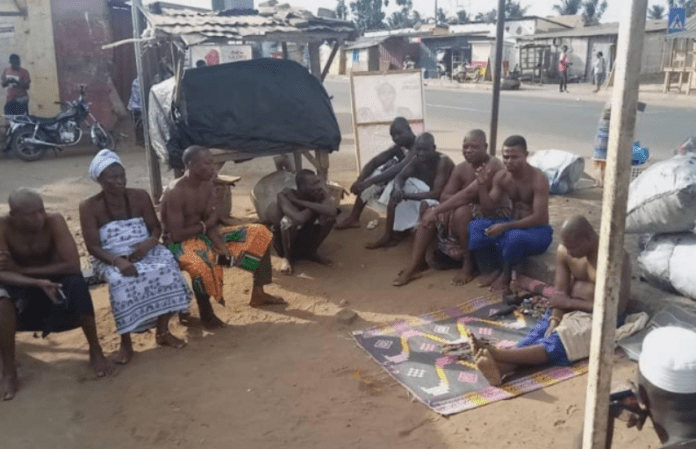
{"x":264,"y":195}
{"x":666,"y":261}
{"x":663,"y":198}
{"x":562,"y":169}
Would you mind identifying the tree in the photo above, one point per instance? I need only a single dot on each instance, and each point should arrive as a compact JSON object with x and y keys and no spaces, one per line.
{"x":441,"y":16}
{"x":656,"y":12}
{"x":406,"y":17}
{"x":592,"y":11}
{"x":568,"y":7}
{"x":488,"y":17}
{"x":342,"y":10}
{"x":367,"y":14}
{"x":513,"y":10}
{"x":688,"y":5}
{"x":463,"y":17}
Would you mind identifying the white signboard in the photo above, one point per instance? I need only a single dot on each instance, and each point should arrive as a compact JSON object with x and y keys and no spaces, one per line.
{"x":214,"y":55}
{"x":377,"y":99}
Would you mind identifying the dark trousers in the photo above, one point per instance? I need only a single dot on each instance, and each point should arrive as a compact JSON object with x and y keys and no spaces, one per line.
{"x":15,"y":107}
{"x":564,"y":81}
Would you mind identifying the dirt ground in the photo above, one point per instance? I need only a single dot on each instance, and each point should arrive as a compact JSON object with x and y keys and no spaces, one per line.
{"x":280,"y":377}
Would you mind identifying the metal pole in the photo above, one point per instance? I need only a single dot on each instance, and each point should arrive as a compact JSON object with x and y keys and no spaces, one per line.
{"x":500,"y":28}
{"x":152,"y":161}
{"x":611,"y":238}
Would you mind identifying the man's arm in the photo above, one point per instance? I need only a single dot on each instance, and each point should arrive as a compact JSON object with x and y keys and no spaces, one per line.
{"x":175,"y":218}
{"x":289,"y":209}
{"x":66,"y":259}
{"x":391,"y":172}
{"x":24,"y":80}
{"x":444,"y":169}
{"x":326,"y":208}
{"x":380,"y":159}
{"x":455,"y":183}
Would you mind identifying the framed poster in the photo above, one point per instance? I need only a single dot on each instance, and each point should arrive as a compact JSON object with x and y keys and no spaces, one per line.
{"x":377,"y":99}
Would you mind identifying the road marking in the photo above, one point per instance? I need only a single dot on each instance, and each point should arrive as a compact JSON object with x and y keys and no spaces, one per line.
{"x":456,"y":107}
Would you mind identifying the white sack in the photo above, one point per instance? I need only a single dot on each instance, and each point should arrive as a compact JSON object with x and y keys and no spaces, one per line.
{"x":562,"y":169}
{"x":668,"y":262}
{"x":663,"y":198}
{"x":264,"y":196}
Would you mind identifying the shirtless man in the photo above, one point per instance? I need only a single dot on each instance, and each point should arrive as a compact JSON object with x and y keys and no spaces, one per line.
{"x":304,"y":219}
{"x":500,"y":244}
{"x":576,"y":275}
{"x":431,"y":168}
{"x":40,"y":268}
{"x":381,"y":169}
{"x":190,"y":229}
{"x":449,"y":219}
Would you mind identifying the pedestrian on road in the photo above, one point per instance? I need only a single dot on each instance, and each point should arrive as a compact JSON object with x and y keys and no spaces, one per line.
{"x":600,"y":69}
{"x":17,"y":80}
{"x":563,"y":69}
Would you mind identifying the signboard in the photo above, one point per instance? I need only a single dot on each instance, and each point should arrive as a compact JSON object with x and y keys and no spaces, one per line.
{"x":377,"y":99}
{"x":676,"y":20}
{"x":214,"y":54}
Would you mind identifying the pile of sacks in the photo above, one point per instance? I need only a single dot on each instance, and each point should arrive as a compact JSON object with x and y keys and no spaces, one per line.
{"x":662,"y":206}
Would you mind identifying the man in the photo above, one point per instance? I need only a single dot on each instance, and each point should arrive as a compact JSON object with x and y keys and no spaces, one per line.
{"x":45,"y":291}
{"x":190,"y":229}
{"x":448,"y":220}
{"x":305,"y":218}
{"x":666,"y":390}
{"x":135,"y":106}
{"x":17,"y":81}
{"x":424,"y":177}
{"x":599,"y":67}
{"x":500,"y":244}
{"x":380,"y":170}
{"x":563,"y":335}
{"x":563,"y":64}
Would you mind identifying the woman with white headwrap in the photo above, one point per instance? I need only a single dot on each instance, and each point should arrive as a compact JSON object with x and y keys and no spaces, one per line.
{"x":121,"y":231}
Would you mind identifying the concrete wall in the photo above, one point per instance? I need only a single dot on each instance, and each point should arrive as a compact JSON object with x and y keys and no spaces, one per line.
{"x":80,"y":28}
{"x":653,"y":47}
{"x":30,"y":37}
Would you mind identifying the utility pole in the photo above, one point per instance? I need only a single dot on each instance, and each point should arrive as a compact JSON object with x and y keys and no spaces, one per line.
{"x":499,"y":30}
{"x":624,"y":103}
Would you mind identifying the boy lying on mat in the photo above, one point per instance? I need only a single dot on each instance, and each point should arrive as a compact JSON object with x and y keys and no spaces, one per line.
{"x":563,"y":334}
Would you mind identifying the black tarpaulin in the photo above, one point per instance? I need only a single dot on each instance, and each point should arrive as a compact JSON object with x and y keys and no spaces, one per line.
{"x":262,"y":107}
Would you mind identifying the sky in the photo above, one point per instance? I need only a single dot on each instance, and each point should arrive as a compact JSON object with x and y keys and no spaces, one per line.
{"x":426,"y":7}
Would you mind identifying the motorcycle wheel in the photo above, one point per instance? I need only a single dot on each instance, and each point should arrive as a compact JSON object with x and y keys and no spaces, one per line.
{"x":477,"y":76}
{"x":24,"y":151}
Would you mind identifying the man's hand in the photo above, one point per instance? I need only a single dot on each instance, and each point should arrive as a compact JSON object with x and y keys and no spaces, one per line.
{"x":555,"y":301}
{"x":357,"y":187}
{"x":126,"y":267}
{"x":495,"y":230}
{"x":5,"y":261}
{"x":552,"y":327}
{"x":429,"y":218}
{"x":483,"y":174}
{"x":397,"y":194}
{"x":50,"y":288}
{"x":141,"y":250}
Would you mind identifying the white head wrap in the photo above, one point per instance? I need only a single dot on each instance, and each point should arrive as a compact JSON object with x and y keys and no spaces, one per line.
{"x":102,"y":160}
{"x":668,"y":359}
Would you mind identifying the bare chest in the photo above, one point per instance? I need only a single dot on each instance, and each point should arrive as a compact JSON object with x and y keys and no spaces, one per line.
{"x":582,"y":270}
{"x":29,"y":249}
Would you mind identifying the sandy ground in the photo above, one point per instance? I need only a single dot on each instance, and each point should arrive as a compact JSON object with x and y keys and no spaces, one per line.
{"x":280,"y":377}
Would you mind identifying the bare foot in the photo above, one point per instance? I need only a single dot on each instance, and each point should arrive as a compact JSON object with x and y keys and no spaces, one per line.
{"x":213,"y":322}
{"x":8,"y":386}
{"x":316,"y":257}
{"x":261,"y":298}
{"x":487,"y":280}
{"x":488,"y":367}
{"x":124,"y":355}
{"x":185,"y":319}
{"x":167,"y":339}
{"x":349,"y":222}
{"x":405,"y":277}
{"x":465,"y":276}
{"x":286,"y":267}
{"x":100,"y":365}
{"x":499,"y":284}
{"x":385,"y":242}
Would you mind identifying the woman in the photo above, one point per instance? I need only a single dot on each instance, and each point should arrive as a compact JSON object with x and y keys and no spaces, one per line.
{"x":121,"y":231}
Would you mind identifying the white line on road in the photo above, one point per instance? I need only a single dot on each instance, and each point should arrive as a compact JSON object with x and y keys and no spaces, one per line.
{"x":456,"y":107}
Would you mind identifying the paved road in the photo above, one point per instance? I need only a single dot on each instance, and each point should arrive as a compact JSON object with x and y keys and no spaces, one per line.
{"x":562,"y":122}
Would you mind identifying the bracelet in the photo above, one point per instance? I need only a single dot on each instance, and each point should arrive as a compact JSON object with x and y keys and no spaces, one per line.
{"x":555,"y":318}
{"x":205,"y":229}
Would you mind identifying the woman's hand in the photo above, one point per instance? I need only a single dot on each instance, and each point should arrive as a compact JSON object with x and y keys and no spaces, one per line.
{"x":125,"y":266}
{"x":142,"y":249}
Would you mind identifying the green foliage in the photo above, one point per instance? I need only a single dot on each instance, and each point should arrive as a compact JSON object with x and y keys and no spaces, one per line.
{"x":688,"y":5}
{"x":568,"y":7}
{"x":367,"y":14}
{"x":513,"y":10}
{"x":656,"y":12}
{"x":406,"y":17}
{"x":441,"y":16}
{"x":592,"y":11}
{"x":463,"y":17}
{"x":342,"y":10}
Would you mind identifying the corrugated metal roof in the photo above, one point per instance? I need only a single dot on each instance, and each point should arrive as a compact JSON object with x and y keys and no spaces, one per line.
{"x":595,"y":30}
{"x":232,"y":24}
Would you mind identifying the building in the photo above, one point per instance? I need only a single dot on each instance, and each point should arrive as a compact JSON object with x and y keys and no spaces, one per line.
{"x":223,"y":5}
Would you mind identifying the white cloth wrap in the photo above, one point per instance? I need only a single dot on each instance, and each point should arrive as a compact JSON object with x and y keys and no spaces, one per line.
{"x":101,"y":161}
{"x":407,"y":213}
{"x":575,"y":331}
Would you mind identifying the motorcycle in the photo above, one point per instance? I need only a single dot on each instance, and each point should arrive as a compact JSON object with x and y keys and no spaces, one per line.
{"x":29,"y":137}
{"x":466,"y":72}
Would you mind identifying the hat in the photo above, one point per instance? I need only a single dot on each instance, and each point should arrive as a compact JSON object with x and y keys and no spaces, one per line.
{"x":668,"y":359}
{"x":101,"y":161}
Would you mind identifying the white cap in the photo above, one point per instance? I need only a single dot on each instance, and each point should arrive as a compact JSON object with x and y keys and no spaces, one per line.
{"x":668,"y":359}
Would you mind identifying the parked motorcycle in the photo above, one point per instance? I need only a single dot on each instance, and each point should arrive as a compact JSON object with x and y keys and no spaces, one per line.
{"x":29,"y":137}
{"x":466,"y":72}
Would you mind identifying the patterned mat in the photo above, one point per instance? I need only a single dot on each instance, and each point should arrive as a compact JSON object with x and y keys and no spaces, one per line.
{"x":410,"y":350}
